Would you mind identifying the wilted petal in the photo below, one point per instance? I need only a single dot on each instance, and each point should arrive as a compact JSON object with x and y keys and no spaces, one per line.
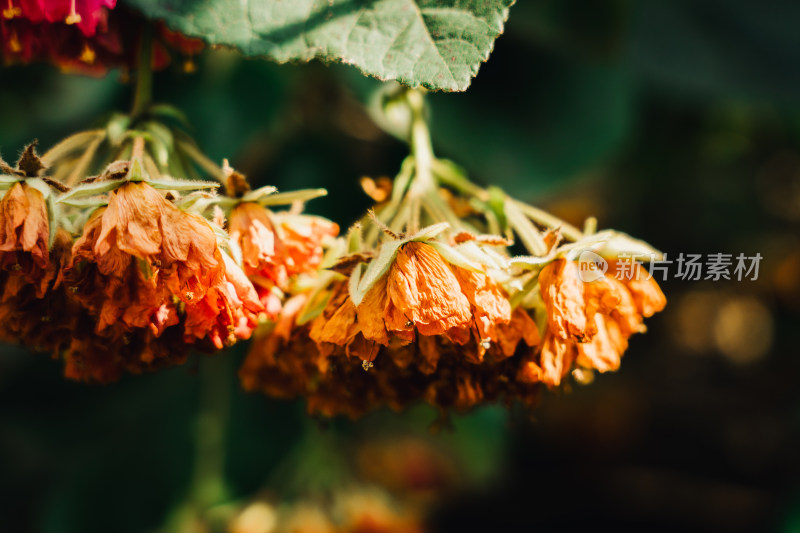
{"x":424,"y":291}
{"x":372,"y":313}
{"x":645,"y":291}
{"x":24,"y":224}
{"x":605,"y":350}
{"x":556,"y":359}
{"x":521,"y":327}
{"x":563,"y":296}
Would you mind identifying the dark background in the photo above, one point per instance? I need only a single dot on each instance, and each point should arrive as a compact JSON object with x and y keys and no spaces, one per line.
{"x":676,"y":121}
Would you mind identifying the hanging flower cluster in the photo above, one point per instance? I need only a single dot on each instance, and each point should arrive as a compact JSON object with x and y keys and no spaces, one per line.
{"x":123,"y":273}
{"x":424,"y":301}
{"x":83,"y":36}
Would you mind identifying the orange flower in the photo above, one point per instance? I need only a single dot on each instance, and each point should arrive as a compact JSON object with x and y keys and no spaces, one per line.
{"x":646,"y":293}
{"x":421,"y":290}
{"x":338,"y":326}
{"x":24,"y":233}
{"x":520,"y":328}
{"x":490,"y":308}
{"x":143,"y":263}
{"x":39,"y":314}
{"x":302,"y":237}
{"x":276,"y":246}
{"x":589,"y":323}
{"x":423,"y":293}
{"x":228,"y":311}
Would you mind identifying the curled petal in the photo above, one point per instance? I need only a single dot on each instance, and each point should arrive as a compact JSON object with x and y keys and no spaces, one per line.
{"x":423,"y":290}
{"x":24,"y":224}
{"x":520,"y":328}
{"x":372,"y":311}
{"x":556,"y":359}
{"x":646,"y":293}
{"x":604,"y":351}
{"x":563,"y":295}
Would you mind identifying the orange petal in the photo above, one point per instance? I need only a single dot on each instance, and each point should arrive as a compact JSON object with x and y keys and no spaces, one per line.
{"x":424,"y":291}
{"x":605,"y":350}
{"x":645,"y":290}
{"x":557,"y":357}
{"x":521,"y":327}
{"x":562,"y":293}
{"x":372,"y":313}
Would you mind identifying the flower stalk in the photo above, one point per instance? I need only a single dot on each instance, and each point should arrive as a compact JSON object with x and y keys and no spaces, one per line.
{"x":143,"y":93}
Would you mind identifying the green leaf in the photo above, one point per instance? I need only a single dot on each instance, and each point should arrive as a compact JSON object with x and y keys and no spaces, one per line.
{"x":91,"y":189}
{"x":260,"y":193}
{"x":166,"y":111}
{"x":285,"y":198}
{"x":172,"y":184}
{"x":612,"y":245}
{"x":436,"y":44}
{"x":375,"y":270}
{"x":116,"y":128}
{"x":85,"y":203}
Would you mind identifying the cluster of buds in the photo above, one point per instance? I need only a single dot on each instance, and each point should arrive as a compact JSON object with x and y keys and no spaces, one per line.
{"x":123,"y":272}
{"x":86,"y":37}
{"x":424,"y":301}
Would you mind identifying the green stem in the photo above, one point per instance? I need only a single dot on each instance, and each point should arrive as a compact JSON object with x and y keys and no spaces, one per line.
{"x":544,"y":218}
{"x":446,"y":175}
{"x":192,"y":152}
{"x":208,"y":486}
{"x":142,"y":97}
{"x":422,"y":150}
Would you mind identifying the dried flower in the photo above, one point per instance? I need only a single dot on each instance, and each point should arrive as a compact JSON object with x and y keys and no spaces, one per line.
{"x":589,"y":322}
{"x":277,"y":246}
{"x":24,"y":234}
{"x":143,"y":264}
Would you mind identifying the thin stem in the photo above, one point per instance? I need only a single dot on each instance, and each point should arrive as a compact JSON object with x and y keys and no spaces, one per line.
{"x":447,"y":176}
{"x":208,"y":486}
{"x":198,"y":157}
{"x":71,"y":144}
{"x":142,"y":97}
{"x":422,"y":150}
{"x":208,"y":479}
{"x":80,"y":168}
{"x":137,"y":152}
{"x":546,"y":219}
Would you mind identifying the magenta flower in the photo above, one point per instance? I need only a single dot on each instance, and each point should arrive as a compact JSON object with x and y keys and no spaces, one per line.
{"x":85,"y":14}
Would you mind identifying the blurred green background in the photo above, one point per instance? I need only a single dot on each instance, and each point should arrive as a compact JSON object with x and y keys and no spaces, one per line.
{"x":677,"y":121}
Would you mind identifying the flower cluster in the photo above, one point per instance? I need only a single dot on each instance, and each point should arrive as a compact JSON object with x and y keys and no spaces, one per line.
{"x":588,"y":324}
{"x":447,"y":322}
{"x":82,"y":36}
{"x":142,"y":282}
{"x":424,"y":301}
